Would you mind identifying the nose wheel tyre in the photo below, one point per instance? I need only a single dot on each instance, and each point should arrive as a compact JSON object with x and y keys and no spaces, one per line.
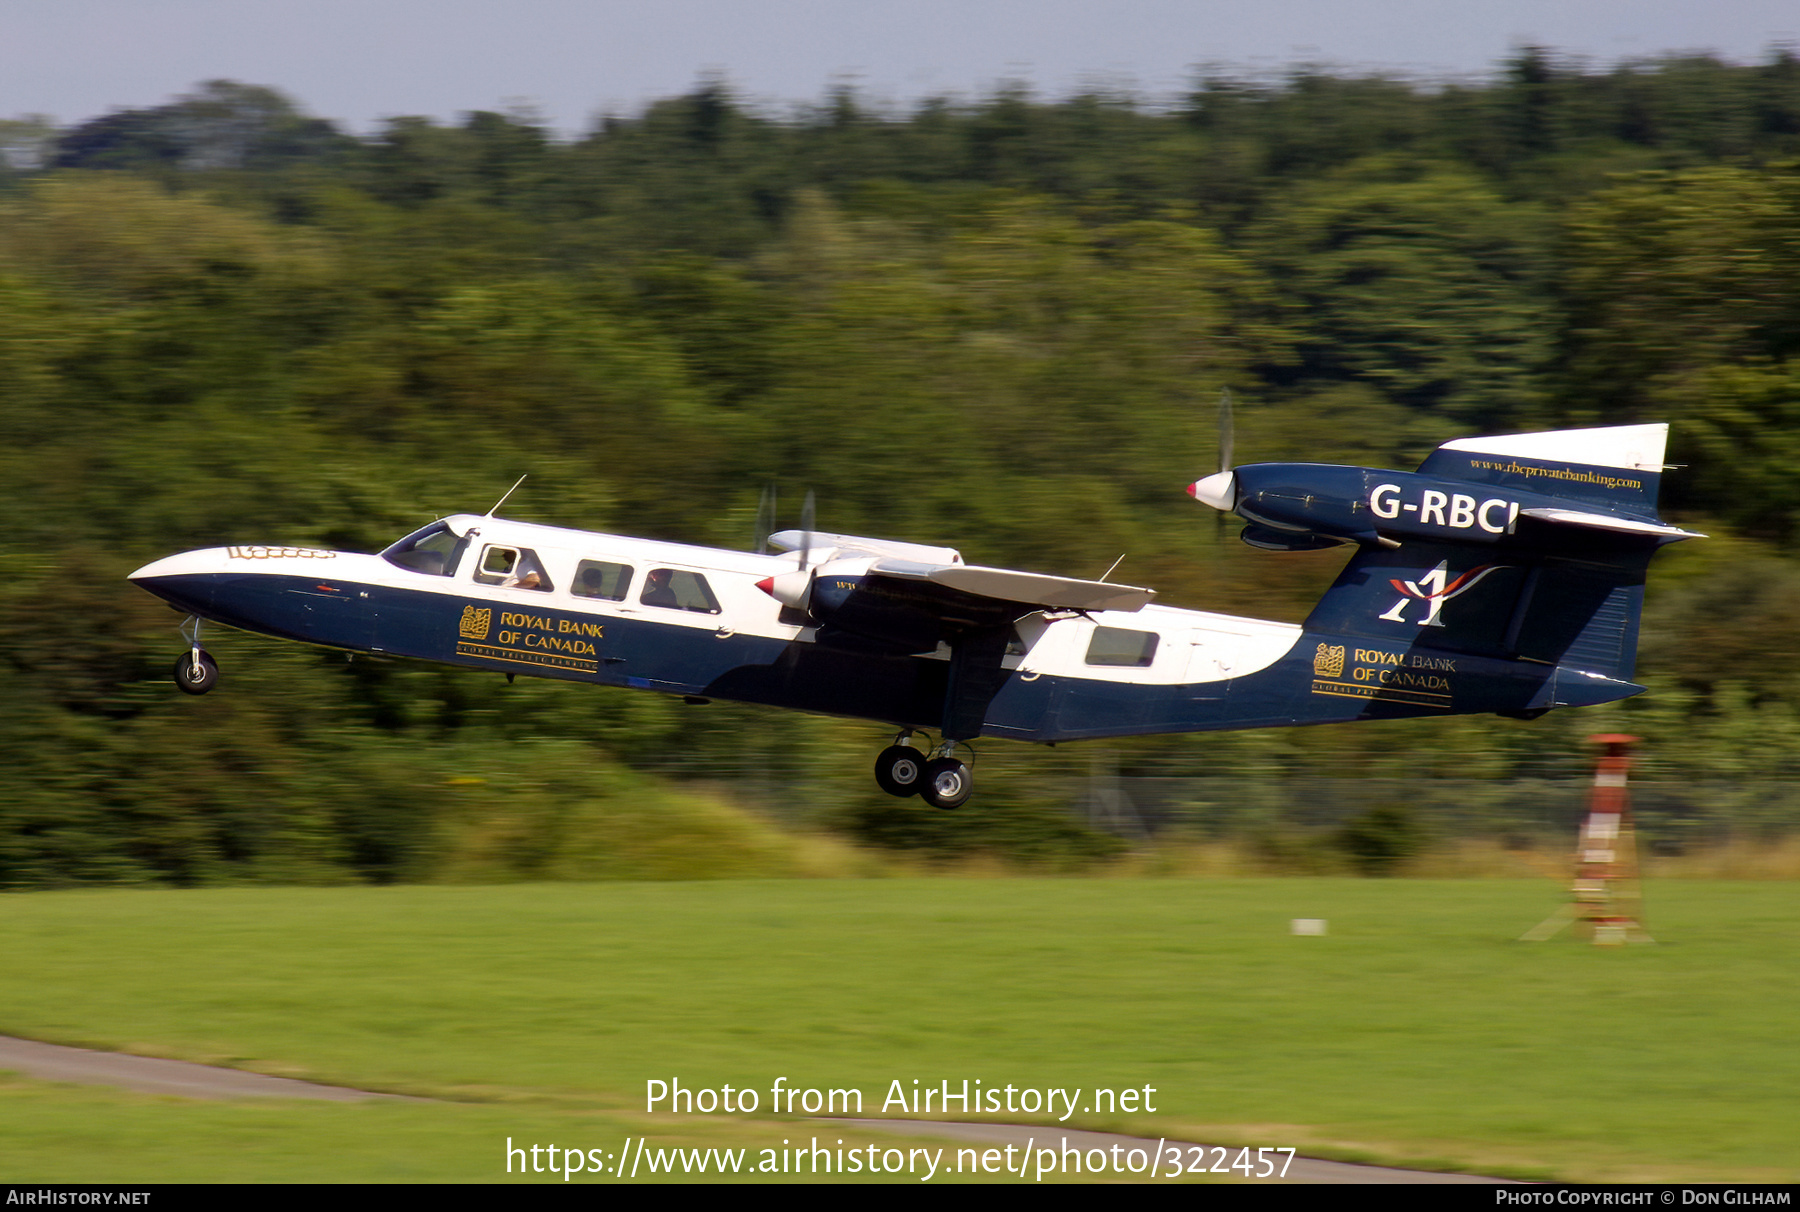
{"x":196,"y":676}
{"x":947,"y":784}
{"x":900,"y":770}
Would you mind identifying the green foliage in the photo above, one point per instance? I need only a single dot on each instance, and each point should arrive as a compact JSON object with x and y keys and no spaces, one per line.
{"x":1423,"y":285}
{"x":1008,"y":824}
{"x":1381,"y":839}
{"x":1001,"y":324}
{"x":221,"y":125}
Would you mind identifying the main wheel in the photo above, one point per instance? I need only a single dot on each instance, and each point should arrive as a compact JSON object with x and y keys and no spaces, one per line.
{"x":947,"y":784}
{"x":196,"y":677}
{"x":900,"y":769}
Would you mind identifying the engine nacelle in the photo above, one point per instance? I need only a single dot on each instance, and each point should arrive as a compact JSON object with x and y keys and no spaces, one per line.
{"x":1307,"y":506}
{"x":843,"y":600}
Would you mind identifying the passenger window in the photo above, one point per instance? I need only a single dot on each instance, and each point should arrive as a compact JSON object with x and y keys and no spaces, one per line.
{"x":512,"y":568}
{"x":599,"y":579}
{"x":677,"y":589}
{"x":1118,"y":646}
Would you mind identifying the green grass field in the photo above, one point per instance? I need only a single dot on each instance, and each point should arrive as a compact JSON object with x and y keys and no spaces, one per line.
{"x":1416,"y":1032}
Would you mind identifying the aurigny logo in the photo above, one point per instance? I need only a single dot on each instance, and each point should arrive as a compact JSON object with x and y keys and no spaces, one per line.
{"x":1431,"y":589}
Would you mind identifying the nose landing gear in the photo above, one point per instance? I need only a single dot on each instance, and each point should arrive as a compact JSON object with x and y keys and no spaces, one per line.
{"x":938,"y":778}
{"x":195,"y":670}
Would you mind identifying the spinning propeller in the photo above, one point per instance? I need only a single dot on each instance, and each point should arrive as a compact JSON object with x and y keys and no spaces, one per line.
{"x":794,"y":588}
{"x":765,"y":520}
{"x":1220,"y":489}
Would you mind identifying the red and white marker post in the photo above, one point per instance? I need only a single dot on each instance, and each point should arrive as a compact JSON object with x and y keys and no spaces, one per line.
{"x":1607,"y":901}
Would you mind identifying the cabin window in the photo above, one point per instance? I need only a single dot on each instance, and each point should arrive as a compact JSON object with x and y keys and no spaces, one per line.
{"x":599,"y":579}
{"x":512,"y":568}
{"x":433,"y":551}
{"x":678,"y":589}
{"x":1119,"y":646}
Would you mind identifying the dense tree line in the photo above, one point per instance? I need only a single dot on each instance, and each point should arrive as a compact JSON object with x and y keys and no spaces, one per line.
{"x":1000,"y":324}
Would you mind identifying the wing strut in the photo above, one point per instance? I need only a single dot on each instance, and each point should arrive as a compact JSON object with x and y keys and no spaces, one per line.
{"x":975,"y":678}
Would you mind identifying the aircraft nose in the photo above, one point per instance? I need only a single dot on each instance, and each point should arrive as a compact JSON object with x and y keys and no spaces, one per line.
{"x":1218,"y":490}
{"x":186,"y":581}
{"x":166,"y":567}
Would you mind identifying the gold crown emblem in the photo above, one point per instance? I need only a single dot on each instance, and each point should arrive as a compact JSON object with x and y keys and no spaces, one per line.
{"x":1328,"y":661}
{"x":475,"y":623}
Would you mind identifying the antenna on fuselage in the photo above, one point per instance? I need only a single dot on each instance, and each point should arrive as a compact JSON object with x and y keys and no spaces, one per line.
{"x":509,"y":492}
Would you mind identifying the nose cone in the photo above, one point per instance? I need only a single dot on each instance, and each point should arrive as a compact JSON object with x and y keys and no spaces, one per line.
{"x":187,"y":580}
{"x":1219,"y":491}
{"x":789,"y":588}
{"x":168,"y":566}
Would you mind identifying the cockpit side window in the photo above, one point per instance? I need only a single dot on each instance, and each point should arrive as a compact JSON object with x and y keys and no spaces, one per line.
{"x":434,"y":551}
{"x":678,"y":589}
{"x":600,"y":579}
{"x":512,"y":568}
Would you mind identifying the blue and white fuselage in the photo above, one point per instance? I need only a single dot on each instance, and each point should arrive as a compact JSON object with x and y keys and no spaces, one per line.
{"x":1067,"y":673}
{"x":1505,"y":575}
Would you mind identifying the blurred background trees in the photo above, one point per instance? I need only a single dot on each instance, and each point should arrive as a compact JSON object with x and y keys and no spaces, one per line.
{"x":1001,"y":324}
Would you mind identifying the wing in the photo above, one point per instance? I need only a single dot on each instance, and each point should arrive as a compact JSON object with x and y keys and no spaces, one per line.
{"x":1034,"y":589}
{"x":870,"y":594}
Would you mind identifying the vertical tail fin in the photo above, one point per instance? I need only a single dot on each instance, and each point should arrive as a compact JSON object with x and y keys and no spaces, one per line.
{"x":1562,"y":587}
{"x":1553,"y":605}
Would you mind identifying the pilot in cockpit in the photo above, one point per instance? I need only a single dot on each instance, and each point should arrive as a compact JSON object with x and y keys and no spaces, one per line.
{"x":515,"y":570}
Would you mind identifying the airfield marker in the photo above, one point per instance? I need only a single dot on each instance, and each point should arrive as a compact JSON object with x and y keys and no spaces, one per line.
{"x":1607,"y":900}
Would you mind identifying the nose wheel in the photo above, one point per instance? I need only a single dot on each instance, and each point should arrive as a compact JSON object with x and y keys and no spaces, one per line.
{"x":195,"y":670}
{"x":938,"y":778}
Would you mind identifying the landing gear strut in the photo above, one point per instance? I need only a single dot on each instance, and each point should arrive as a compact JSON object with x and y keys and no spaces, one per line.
{"x":938,"y":778}
{"x":195,"y":670}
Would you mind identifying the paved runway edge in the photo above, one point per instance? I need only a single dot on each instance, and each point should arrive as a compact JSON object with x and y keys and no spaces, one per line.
{"x":149,"y":1075}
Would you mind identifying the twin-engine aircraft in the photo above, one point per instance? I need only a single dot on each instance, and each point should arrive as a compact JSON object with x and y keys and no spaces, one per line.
{"x":1505,"y":575}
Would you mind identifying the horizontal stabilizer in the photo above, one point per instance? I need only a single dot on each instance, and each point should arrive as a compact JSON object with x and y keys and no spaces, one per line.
{"x":1622,"y":447}
{"x":1032,"y":588}
{"x":1601,"y":521}
{"x":1619,"y":467}
{"x":1580,"y":688}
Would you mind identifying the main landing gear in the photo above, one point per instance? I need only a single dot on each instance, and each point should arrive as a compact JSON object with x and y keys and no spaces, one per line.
{"x":195,"y":670}
{"x":938,"y":778}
